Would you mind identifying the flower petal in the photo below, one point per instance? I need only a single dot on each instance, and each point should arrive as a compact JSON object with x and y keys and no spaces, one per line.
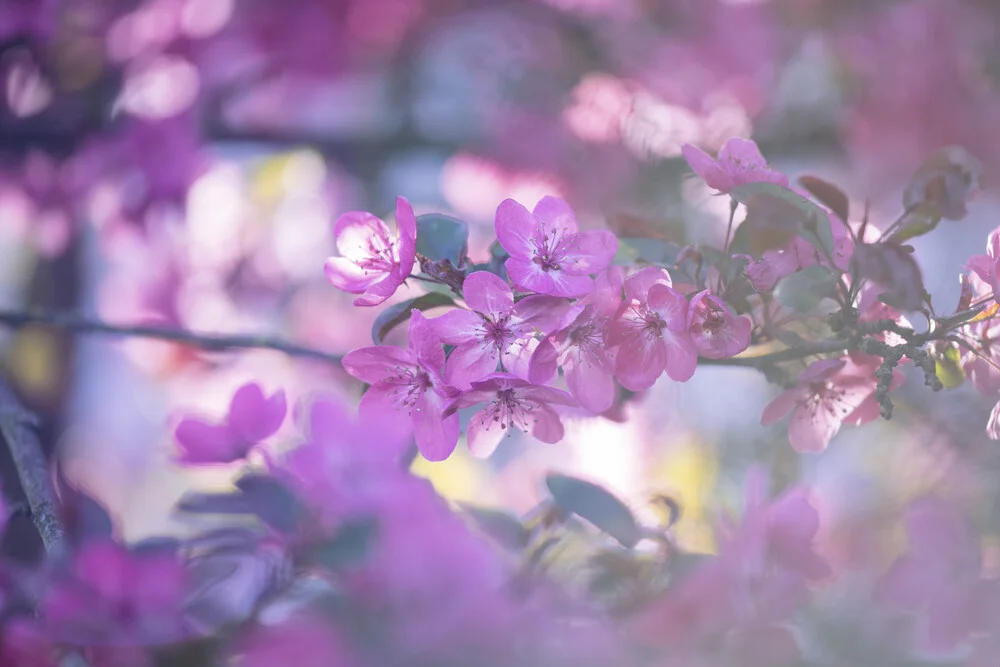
{"x":355,"y":231}
{"x":349,"y":277}
{"x":555,"y":214}
{"x":483,"y":434}
{"x":593,"y":252}
{"x":529,"y":276}
{"x":637,"y":285}
{"x":204,"y":442}
{"x":486,"y":293}
{"x":435,"y":434}
{"x":516,"y":228}
{"x":639,"y":363}
{"x":373,"y":364}
{"x":457,"y":326}
{"x":252,"y":416}
{"x":469,"y":362}
{"x":705,"y":166}
{"x":406,"y":223}
{"x":590,"y":384}
{"x":548,"y":427}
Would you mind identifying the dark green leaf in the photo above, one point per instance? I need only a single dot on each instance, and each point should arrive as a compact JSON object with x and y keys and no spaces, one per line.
{"x":502,"y":526}
{"x":442,"y":237}
{"x":813,"y":223}
{"x":349,"y":546}
{"x":272,"y":501}
{"x":595,"y":504}
{"x":917,"y":221}
{"x":803,"y":290}
{"x":828,"y":194}
{"x":398,"y":313}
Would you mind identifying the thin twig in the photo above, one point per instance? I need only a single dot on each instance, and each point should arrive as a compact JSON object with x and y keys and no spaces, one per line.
{"x":213,"y":342}
{"x":789,"y":354}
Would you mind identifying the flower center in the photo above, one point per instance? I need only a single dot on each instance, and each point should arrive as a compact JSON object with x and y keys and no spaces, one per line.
{"x":551,"y":249}
{"x":509,"y":410}
{"x":382,"y":254}
{"x":409,"y":384}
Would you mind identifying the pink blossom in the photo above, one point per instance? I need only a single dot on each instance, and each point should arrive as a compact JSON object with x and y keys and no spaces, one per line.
{"x":650,"y":330}
{"x":25,"y":644}
{"x":494,"y":329}
{"x":987,"y":267}
{"x":981,"y":368}
{"x":407,"y":383}
{"x":940,"y":574}
{"x":828,"y":393}
{"x":252,"y":417}
{"x":739,"y":162}
{"x":511,"y":402}
{"x":717,"y":333}
{"x":548,"y":254}
{"x":579,"y":346}
{"x":371,"y":262}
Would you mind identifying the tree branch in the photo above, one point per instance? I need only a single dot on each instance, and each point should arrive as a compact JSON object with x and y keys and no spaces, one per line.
{"x":213,"y":342}
{"x":789,"y":354}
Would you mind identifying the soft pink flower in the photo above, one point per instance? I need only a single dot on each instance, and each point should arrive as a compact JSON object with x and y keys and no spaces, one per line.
{"x":940,"y":574}
{"x":739,"y":162}
{"x":406,"y":387}
{"x":494,"y":329}
{"x":511,"y":402}
{"x":548,"y":254}
{"x":828,"y":392}
{"x":371,"y":262}
{"x":982,"y":368}
{"x":716,"y":332}
{"x":987,"y":266}
{"x":252,"y":417}
{"x":580,"y":347}
{"x":650,"y":330}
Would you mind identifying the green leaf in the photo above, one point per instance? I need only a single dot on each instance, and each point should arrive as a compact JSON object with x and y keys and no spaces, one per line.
{"x":350,"y":545}
{"x":650,"y":251}
{"x":502,"y":526}
{"x":398,"y":313}
{"x":919,"y":220}
{"x":595,"y":504}
{"x":948,"y":367}
{"x":815,"y":224}
{"x":828,"y":194}
{"x":442,"y":237}
{"x":803,"y":290}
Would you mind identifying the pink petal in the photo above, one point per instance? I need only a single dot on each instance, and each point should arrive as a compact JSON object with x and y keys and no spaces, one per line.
{"x":682,"y":358}
{"x":483,"y":435}
{"x":743,"y":152}
{"x":529,"y":276}
{"x":425,"y":341}
{"x":328,"y":421}
{"x":253,"y":417}
{"x":379,"y":405}
{"x":469,"y":362}
{"x":593,"y":252}
{"x":543,"y":394}
{"x":555,"y":214}
{"x":406,"y":223}
{"x":812,"y":427}
{"x":548,"y":427}
{"x":570,"y":286}
{"x":821,"y":370}
{"x":487,"y":294}
{"x":515,"y":228}
{"x":782,"y":404}
{"x":436,"y":435}
{"x":544,"y":363}
{"x":669,"y":304}
{"x":348,"y":276}
{"x":950,"y":619}
{"x":354,"y":232}
{"x":590,"y":384}
{"x":639,"y":363}
{"x":545,"y":313}
{"x":373,"y":364}
{"x":637,"y":285}
{"x":376,"y":294}
{"x":203,"y":442}
{"x":457,"y":327}
{"x":705,"y":166}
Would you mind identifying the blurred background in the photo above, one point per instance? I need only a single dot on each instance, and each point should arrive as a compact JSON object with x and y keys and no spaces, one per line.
{"x":181,"y":162}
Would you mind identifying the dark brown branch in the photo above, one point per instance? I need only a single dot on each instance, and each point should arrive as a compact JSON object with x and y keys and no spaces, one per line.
{"x":213,"y":342}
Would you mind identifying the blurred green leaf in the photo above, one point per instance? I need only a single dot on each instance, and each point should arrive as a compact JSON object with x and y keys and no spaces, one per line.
{"x":502,"y":526}
{"x":803,"y":290}
{"x":351,"y":544}
{"x":919,"y":220}
{"x":814,"y":224}
{"x":948,"y":367}
{"x":595,"y":504}
{"x":828,"y":194}
{"x":442,"y":237}
{"x":398,"y":313}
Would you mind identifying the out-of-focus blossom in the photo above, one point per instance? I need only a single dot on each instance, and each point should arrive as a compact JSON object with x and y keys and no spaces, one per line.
{"x":987,"y":267}
{"x":371,"y":262}
{"x":406,"y":385}
{"x":25,"y":643}
{"x":511,"y":403}
{"x":650,"y":330}
{"x":739,"y":162}
{"x":494,"y":330}
{"x":548,"y":253}
{"x":946,"y":180}
{"x":717,"y":333}
{"x":252,"y":417}
{"x":304,"y":641}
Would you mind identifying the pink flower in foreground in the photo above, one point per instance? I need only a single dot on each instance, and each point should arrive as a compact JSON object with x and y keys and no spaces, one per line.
{"x":406,"y":386}
{"x":371,"y":262}
{"x":579,"y":346}
{"x":987,"y":266}
{"x":302,"y":641}
{"x":548,"y":254}
{"x":828,"y":393}
{"x":494,"y":329}
{"x":511,"y":402}
{"x":717,"y":333}
{"x":939,"y":575}
{"x":739,"y":162}
{"x":650,"y":330}
{"x":252,"y":418}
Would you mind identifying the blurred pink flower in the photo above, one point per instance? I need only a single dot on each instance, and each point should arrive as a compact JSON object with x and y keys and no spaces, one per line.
{"x":302,"y":641}
{"x":512,"y":402}
{"x":987,"y":267}
{"x":25,"y":644}
{"x":651,"y":332}
{"x":828,"y":392}
{"x":406,"y":386}
{"x":717,"y":333}
{"x":372,"y":263}
{"x":495,"y":329}
{"x":252,"y":417}
{"x":549,"y":255}
{"x":739,"y":162}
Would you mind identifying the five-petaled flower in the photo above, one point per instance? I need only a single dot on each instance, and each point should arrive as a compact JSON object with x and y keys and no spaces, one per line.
{"x":651,"y":332}
{"x":716,"y":332}
{"x":407,"y":383}
{"x":739,"y":162}
{"x":512,"y":402}
{"x":371,"y":262}
{"x":494,"y":330}
{"x":548,"y":255}
{"x":987,"y":267}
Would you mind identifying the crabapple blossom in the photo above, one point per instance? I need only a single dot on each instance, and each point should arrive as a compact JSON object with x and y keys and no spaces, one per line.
{"x":511,"y":402}
{"x":252,"y":417}
{"x":651,"y":332}
{"x":548,"y":254}
{"x":987,"y":267}
{"x":373,"y":263}
{"x":739,"y":162}
{"x":494,"y":330}
{"x":716,"y":332}
{"x":407,"y":383}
